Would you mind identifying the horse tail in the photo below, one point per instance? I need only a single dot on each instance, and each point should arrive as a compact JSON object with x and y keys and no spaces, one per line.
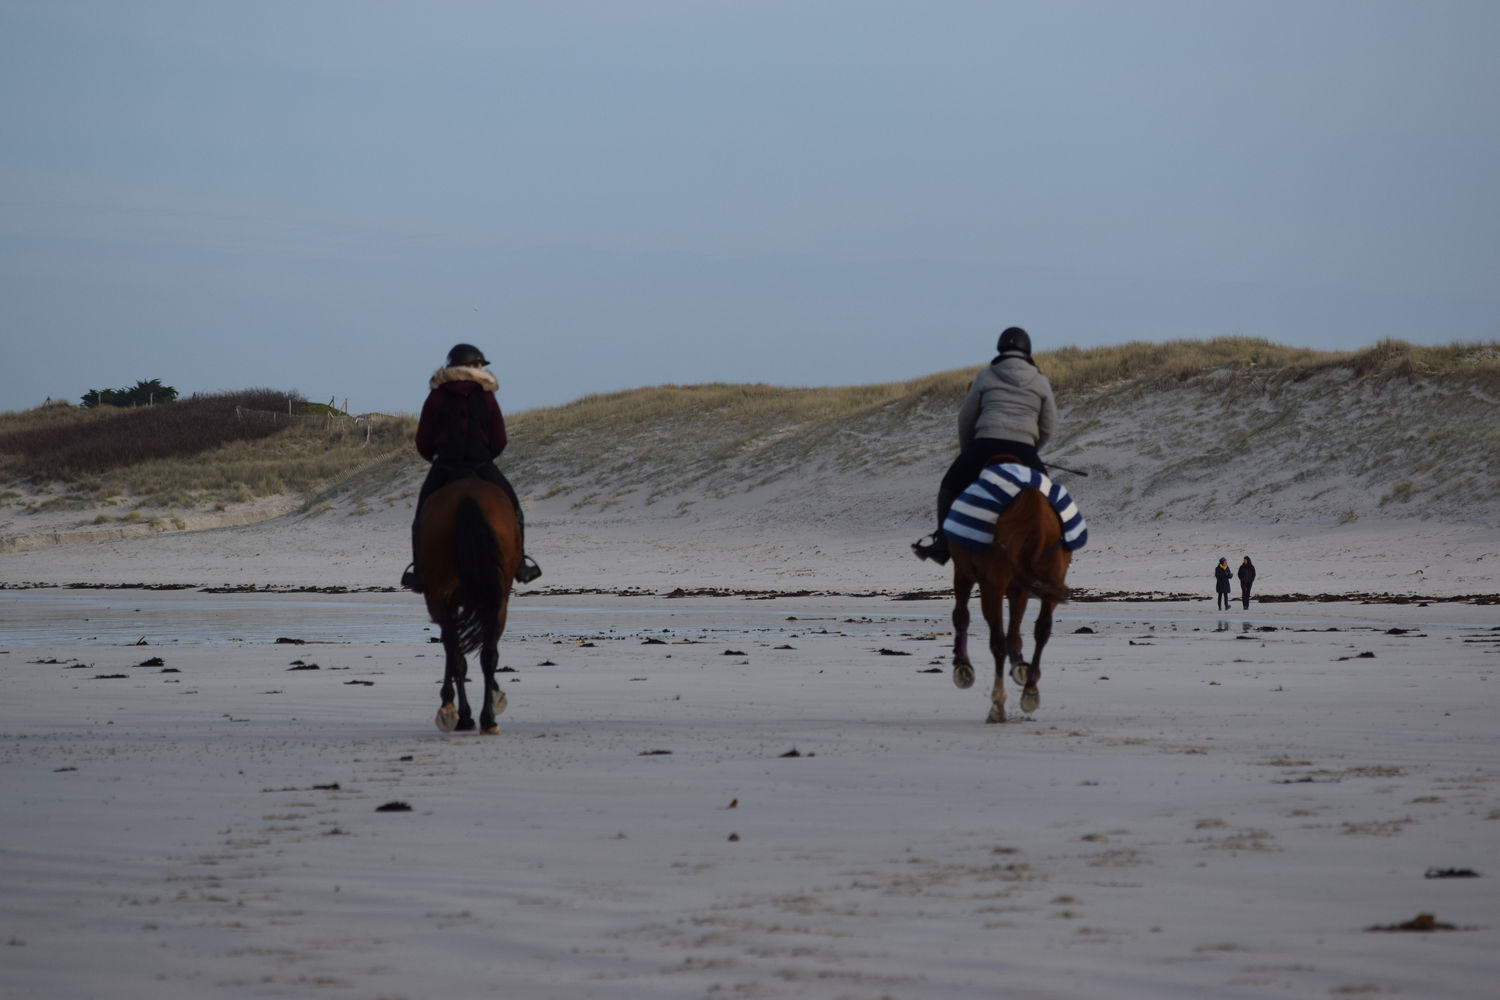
{"x":1035,"y":558}
{"x":476,"y":562}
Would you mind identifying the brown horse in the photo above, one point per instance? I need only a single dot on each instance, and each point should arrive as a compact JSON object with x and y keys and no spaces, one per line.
{"x":468,"y":547}
{"x":1025,"y":558}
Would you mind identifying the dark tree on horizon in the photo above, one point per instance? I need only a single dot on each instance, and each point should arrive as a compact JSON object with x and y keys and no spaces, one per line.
{"x":143,"y":393}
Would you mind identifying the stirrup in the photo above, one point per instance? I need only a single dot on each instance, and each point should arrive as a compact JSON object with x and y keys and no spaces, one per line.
{"x":928,"y":548}
{"x":409,"y":579}
{"x":528,"y":570}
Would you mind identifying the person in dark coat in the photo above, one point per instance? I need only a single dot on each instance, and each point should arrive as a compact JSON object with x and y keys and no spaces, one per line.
{"x":461,"y":432}
{"x":1222,"y":575}
{"x":1009,"y":410}
{"x":1247,"y":577}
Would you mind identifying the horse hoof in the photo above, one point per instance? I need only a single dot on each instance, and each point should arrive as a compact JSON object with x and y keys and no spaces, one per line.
{"x":1029,"y":701}
{"x":497,"y":703}
{"x":492,"y":730}
{"x":963,"y":675}
{"x":1018,"y":671}
{"x":447,"y":719}
{"x":466,"y":725}
{"x":997,"y":714}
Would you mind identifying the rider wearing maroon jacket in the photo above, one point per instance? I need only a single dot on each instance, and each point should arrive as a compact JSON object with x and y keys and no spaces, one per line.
{"x":461,"y":432}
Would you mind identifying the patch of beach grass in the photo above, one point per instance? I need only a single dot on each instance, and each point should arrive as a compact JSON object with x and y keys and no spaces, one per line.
{"x":212,"y":450}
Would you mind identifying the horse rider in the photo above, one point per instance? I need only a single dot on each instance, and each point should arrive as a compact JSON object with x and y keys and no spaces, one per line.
{"x":1010,"y":411}
{"x":461,"y":432}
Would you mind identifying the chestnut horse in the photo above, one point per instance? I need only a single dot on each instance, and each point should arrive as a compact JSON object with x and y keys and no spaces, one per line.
{"x":1026,"y":557}
{"x":468,"y":548}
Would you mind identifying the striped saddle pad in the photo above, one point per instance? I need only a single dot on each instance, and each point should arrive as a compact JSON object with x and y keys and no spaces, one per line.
{"x":971,"y":521}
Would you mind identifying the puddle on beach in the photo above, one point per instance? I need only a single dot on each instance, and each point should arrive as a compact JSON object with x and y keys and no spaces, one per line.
{"x":122,"y":617}
{"x":46,"y":617}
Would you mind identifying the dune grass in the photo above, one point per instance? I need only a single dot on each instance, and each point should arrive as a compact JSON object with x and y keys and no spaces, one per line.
{"x":69,"y":447}
{"x":1071,"y":370}
{"x":1075,"y":370}
{"x":174,"y":455}
{"x":300,"y":459}
{"x":228,"y":447}
{"x":757,"y":405}
{"x":703,"y":440}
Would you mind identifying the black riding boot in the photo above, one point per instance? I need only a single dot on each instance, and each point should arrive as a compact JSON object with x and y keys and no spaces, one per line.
{"x":410,"y":580}
{"x":527,"y":570}
{"x":937,"y":548}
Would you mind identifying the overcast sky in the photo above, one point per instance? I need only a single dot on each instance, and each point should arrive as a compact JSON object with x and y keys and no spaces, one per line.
{"x":325,"y":196}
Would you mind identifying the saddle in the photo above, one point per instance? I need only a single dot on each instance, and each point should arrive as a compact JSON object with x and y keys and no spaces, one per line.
{"x":971,"y":520}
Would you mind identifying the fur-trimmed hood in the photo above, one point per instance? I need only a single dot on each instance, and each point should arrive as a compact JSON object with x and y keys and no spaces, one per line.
{"x":463,"y":373}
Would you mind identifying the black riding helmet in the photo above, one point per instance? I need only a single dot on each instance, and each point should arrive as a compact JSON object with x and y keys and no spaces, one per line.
{"x":1015,"y":339}
{"x":466,"y":356}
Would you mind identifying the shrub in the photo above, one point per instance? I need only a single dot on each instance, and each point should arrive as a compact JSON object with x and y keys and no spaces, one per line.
{"x":65,"y":450}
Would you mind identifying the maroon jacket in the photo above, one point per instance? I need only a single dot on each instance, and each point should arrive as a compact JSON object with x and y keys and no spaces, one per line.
{"x":433,"y":431}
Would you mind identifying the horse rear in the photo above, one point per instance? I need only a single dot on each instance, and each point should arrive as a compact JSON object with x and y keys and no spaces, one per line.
{"x":469,"y":547}
{"x":1027,"y":557}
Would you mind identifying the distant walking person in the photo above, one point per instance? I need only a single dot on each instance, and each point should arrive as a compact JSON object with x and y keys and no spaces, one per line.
{"x":1009,"y":410}
{"x":1247,"y":577}
{"x":1222,"y":575}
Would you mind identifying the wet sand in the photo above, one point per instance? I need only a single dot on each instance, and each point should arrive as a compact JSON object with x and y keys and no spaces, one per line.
{"x":724,"y":796}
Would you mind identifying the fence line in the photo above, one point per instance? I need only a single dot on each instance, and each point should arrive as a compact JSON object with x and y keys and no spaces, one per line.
{"x":329,"y":420}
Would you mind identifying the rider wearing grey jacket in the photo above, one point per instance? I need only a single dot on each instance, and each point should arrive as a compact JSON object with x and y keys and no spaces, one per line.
{"x":1009,"y":401}
{"x":1009,"y":410}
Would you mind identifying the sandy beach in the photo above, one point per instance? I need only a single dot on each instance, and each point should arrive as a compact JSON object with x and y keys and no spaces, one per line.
{"x":731,"y":797}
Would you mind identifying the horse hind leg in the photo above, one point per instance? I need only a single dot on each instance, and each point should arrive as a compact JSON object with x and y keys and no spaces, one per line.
{"x":963,"y":670}
{"x":1005,"y":644}
{"x":1017,"y":599}
{"x":494,"y":699}
{"x":997,"y":693}
{"x":465,"y":713}
{"x":451,"y":716}
{"x":992,"y":599}
{"x":447,"y":711}
{"x":1031,"y":698}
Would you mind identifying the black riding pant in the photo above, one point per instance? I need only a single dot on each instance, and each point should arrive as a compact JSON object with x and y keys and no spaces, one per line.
{"x":971,"y":462}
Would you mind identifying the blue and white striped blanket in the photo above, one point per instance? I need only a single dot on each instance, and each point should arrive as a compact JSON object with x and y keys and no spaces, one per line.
{"x":971,"y":521}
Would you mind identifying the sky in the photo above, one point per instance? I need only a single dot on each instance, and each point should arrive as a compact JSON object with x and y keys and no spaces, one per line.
{"x":324,"y":197}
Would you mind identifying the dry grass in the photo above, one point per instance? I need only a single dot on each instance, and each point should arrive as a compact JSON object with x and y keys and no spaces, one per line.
{"x":1076,"y":370}
{"x":230,"y":447}
{"x":55,"y":413}
{"x":1071,"y":370}
{"x":1383,"y":415}
{"x":69,"y":448}
{"x":300,"y":459}
{"x":756,"y":406}
{"x":699,"y":440}
{"x":704,"y":440}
